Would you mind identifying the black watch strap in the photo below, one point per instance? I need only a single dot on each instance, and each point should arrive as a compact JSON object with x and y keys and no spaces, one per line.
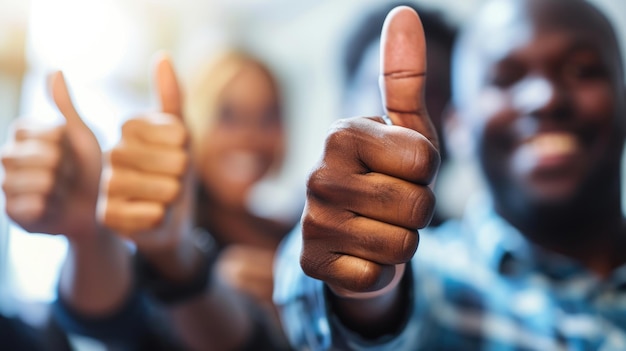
{"x":170,"y":292}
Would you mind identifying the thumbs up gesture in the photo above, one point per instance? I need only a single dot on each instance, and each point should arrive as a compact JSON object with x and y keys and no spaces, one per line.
{"x":147,"y":187}
{"x":371,"y":191}
{"x":52,"y":172}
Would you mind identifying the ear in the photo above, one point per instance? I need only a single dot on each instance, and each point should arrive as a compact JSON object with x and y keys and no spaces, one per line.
{"x":457,"y":135}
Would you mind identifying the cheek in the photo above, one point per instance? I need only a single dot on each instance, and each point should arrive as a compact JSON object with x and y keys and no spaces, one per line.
{"x":206,"y":153}
{"x":596,"y":107}
{"x":595,"y":103}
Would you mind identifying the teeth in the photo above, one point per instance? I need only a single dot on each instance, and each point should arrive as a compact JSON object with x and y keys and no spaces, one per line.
{"x":553,"y":144}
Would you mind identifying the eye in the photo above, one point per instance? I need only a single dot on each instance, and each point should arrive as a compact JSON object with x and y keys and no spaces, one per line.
{"x":583,"y":66}
{"x":505,"y":74}
{"x":584,"y":71}
{"x":227,"y":115}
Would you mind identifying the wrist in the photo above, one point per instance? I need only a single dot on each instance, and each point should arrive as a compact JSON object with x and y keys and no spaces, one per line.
{"x":180,"y":280}
{"x":181,"y":260}
{"x":378,"y":314}
{"x":91,"y":237}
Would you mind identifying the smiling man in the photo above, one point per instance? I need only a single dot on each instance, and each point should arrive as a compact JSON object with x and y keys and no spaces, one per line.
{"x":538,"y":262}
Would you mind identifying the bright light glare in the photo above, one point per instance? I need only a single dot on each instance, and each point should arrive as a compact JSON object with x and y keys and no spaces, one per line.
{"x":88,"y":38}
{"x":35,"y":262}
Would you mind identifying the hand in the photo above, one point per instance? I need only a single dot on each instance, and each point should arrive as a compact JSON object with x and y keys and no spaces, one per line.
{"x":52,"y":173}
{"x":147,"y":188}
{"x":249,"y":270}
{"x":371,"y":191}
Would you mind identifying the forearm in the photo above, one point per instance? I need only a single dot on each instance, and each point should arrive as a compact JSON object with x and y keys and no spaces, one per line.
{"x":217,"y":320}
{"x":213,"y":317}
{"x":97,"y":275}
{"x":377,"y":316}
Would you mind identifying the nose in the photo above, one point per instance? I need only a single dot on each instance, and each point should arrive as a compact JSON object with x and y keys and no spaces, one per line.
{"x":540,"y":97}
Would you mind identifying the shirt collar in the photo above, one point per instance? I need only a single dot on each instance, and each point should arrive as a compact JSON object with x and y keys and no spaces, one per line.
{"x":507,"y":250}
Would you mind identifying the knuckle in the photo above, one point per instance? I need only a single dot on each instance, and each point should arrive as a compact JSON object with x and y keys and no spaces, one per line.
{"x":133,"y":125}
{"x":317,"y":182}
{"x":170,"y":190}
{"x":8,"y":156}
{"x":117,"y":155}
{"x":309,"y":224}
{"x":20,"y":132}
{"x":48,"y":182}
{"x":339,"y":133}
{"x":113,"y":183}
{"x":113,"y":217}
{"x":26,"y":215}
{"x":180,"y":161}
{"x":154,"y":217}
{"x":310,"y":264}
{"x":316,"y":224}
{"x":178,"y":133}
{"x":324,"y":183}
{"x":6,"y":187}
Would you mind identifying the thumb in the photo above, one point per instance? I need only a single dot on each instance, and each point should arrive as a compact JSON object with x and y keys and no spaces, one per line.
{"x":167,"y":85}
{"x":403,"y":71}
{"x":63,"y":101}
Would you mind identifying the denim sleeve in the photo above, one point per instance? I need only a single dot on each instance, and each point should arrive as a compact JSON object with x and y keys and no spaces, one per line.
{"x":307,"y":319}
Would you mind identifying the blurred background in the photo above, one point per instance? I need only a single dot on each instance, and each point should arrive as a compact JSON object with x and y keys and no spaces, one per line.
{"x":105,"y":50}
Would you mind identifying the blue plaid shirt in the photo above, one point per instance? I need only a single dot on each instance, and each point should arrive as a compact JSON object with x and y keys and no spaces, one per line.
{"x":478,"y":284}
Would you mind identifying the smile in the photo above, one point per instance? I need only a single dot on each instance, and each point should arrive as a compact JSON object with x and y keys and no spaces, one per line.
{"x":547,"y":151}
{"x":548,"y":145}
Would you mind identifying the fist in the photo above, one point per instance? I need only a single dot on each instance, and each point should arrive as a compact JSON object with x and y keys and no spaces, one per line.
{"x":372,"y":189}
{"x":52,"y":172}
{"x":146,"y":174}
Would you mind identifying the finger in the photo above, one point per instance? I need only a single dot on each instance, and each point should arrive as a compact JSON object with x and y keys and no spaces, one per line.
{"x":167,"y":86}
{"x":153,"y":159}
{"x":380,"y":197}
{"x":63,"y":101}
{"x":396,"y":151}
{"x":156,"y":129}
{"x":403,"y":71}
{"x":31,"y":153}
{"x":137,"y":186}
{"x":25,"y":208}
{"x":361,"y":237}
{"x":398,"y":273}
{"x":349,"y":273}
{"x":132,"y":217}
{"x":30,"y":181}
{"x":25,"y":129}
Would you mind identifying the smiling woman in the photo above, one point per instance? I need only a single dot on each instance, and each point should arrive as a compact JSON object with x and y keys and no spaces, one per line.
{"x":234,"y":111}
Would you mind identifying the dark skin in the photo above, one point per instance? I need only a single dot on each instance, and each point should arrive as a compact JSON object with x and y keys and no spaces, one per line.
{"x":545,"y":107}
{"x":372,"y":187}
{"x":554,"y":157}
